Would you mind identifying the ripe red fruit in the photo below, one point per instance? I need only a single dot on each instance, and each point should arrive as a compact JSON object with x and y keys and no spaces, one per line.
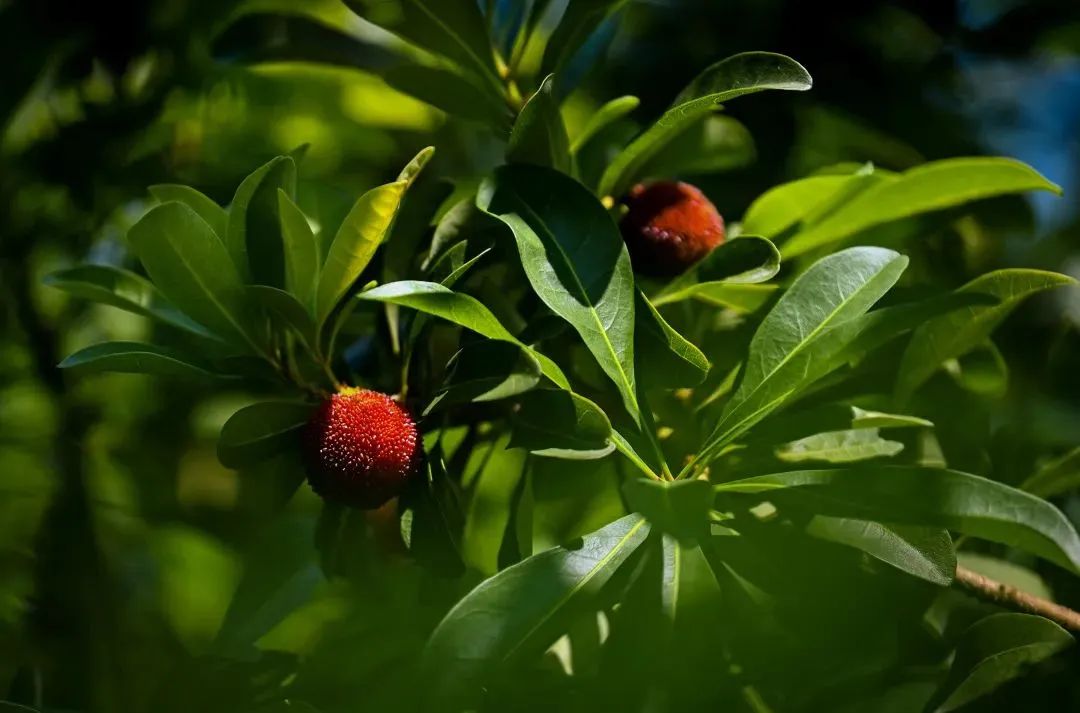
{"x":361,"y":448}
{"x":668,"y":227}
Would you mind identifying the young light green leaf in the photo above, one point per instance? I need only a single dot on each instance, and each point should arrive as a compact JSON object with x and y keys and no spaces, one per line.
{"x":363,"y":230}
{"x":861,"y":418}
{"x":923,"y":189}
{"x":575,"y":260}
{"x":924,"y":552}
{"x":744,"y":299}
{"x":561,"y":424}
{"x":539,"y":135}
{"x":839,"y":447}
{"x":190,"y":265}
{"x":603,"y":117}
{"x":454,"y":29}
{"x":781,"y":207}
{"x":679,"y":508}
{"x":932,"y":497}
{"x":733,"y":77}
{"x":254,"y":235}
{"x":746,"y":260}
{"x":520,"y":611}
{"x":435,"y":299}
{"x":487,"y":371}
{"x":798,"y":342}
{"x":665,"y":358}
{"x":994,"y":650}
{"x":301,"y":251}
{"x":261,"y":430}
{"x":123,"y":289}
{"x":953,"y":334}
{"x":208,"y":210}
{"x":136,"y":358}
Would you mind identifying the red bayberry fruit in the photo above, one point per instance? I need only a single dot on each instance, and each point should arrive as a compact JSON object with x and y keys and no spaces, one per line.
{"x":361,"y":448}
{"x":668,"y":227}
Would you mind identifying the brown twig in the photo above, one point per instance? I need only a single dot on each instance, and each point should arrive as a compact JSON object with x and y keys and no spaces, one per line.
{"x":1016,"y":599}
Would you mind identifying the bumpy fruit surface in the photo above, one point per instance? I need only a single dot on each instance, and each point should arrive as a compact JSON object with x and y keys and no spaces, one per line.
{"x":668,"y":227}
{"x":361,"y":448}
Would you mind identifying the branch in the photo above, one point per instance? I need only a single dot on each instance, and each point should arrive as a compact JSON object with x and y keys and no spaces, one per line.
{"x":1010,"y":597}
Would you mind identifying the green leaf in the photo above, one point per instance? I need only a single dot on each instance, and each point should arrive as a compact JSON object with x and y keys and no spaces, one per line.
{"x":718,"y":143}
{"x":451,"y":92}
{"x":664,"y":357}
{"x":539,"y":135}
{"x":797,"y":342}
{"x":746,"y":260}
{"x":781,"y":207}
{"x":953,"y":334}
{"x":602,"y":118}
{"x":123,"y":289}
{"x":302,"y":256}
{"x":924,"y":552}
{"x":435,"y":299}
{"x":575,"y":260}
{"x":578,"y":22}
{"x":930,"y":187}
{"x":981,"y":371}
{"x":928,"y":496}
{"x":254,"y":236}
{"x":454,"y":29}
{"x":365,"y":228}
{"x":190,"y":265}
{"x":994,"y":650}
{"x":288,"y":311}
{"x":1006,"y":572}
{"x":520,"y":611}
{"x":493,"y":474}
{"x":216,"y":216}
{"x":743,"y":299}
{"x":861,"y":418}
{"x":487,"y":371}
{"x":679,"y":508}
{"x":136,"y":358}
{"x":839,"y":447}
{"x":561,"y":424}
{"x":261,"y":430}
{"x":1057,"y":477}
{"x":733,"y":77}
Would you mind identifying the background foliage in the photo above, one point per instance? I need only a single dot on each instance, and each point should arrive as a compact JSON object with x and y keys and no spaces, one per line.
{"x":140,"y":573}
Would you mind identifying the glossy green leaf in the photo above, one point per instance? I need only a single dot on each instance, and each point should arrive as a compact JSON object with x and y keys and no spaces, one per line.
{"x":136,"y":358}
{"x":953,"y":334}
{"x":123,"y":289}
{"x":839,"y":447}
{"x":733,"y":77}
{"x":575,"y":260}
{"x":797,"y":342}
{"x":365,"y":228}
{"x":520,"y":611}
{"x":930,"y":187}
{"x":924,"y":552}
{"x":493,"y":475}
{"x":739,"y":298}
{"x":190,"y":265}
{"x":715,"y":144}
{"x":561,"y":424}
{"x":286,"y":310}
{"x":454,"y":29}
{"x":539,"y":135}
{"x":451,"y":92}
{"x":254,"y":236}
{"x":216,"y":216}
{"x":487,"y":371}
{"x":261,"y":430}
{"x":994,"y":650}
{"x":602,"y":118}
{"x":746,"y":260}
{"x":781,"y":207}
{"x":435,"y":299}
{"x":861,"y":418}
{"x":665,"y":358}
{"x":679,"y":508}
{"x":1059,"y":476}
{"x":302,"y":256}
{"x":580,"y":20}
{"x":933,"y":497}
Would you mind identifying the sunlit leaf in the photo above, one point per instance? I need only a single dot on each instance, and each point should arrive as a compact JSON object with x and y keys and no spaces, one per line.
{"x":539,"y":135}
{"x":839,"y":447}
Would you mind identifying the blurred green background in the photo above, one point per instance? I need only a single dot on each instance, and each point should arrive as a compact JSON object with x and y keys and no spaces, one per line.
{"x":123,"y":540}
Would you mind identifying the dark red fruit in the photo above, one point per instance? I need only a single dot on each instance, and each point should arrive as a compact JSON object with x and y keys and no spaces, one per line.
{"x":361,"y":448}
{"x":668,"y":227}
